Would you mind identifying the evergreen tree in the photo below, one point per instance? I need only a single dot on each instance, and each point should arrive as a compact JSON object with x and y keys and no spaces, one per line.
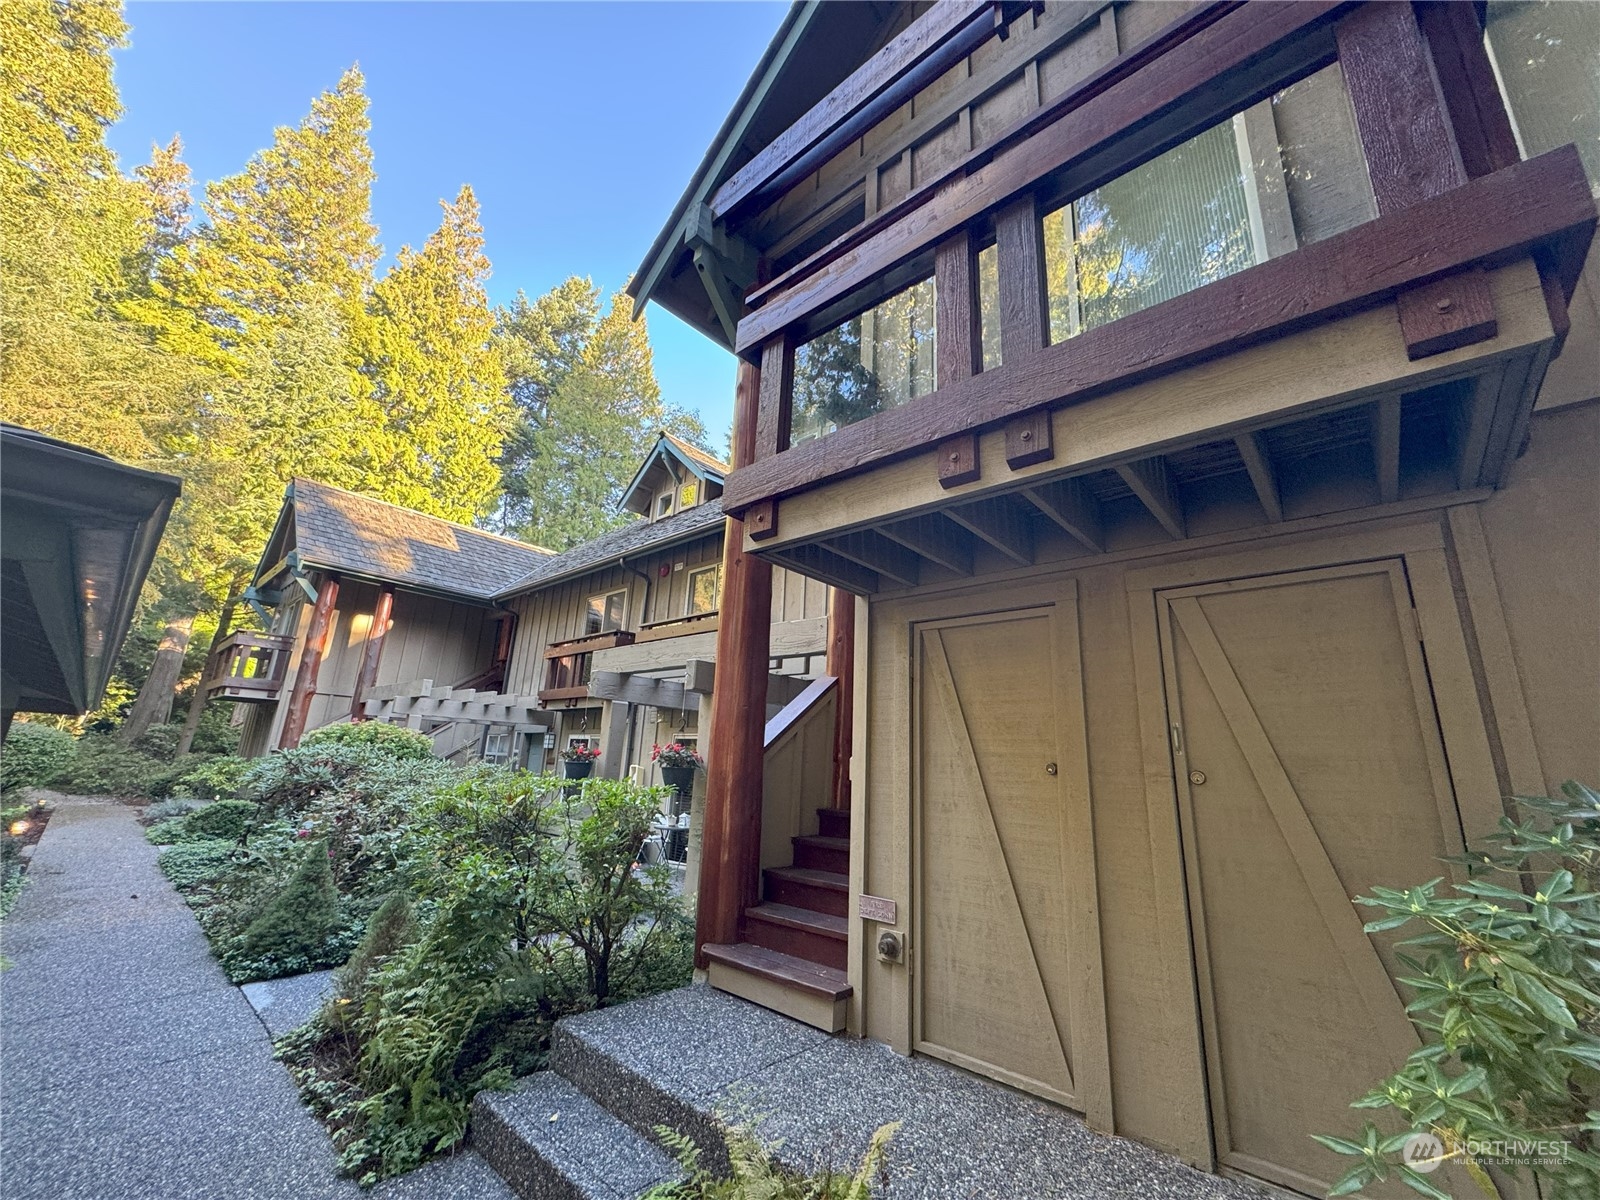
{"x":588,"y":409}
{"x":434,"y":374}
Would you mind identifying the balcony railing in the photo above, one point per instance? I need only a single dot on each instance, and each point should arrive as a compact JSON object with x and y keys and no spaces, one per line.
{"x":568,"y":664}
{"x":249,"y":666}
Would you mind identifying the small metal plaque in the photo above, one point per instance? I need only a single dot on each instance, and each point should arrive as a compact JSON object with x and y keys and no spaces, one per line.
{"x":877,"y":908}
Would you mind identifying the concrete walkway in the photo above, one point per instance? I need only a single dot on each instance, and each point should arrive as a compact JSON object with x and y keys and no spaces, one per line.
{"x":130,"y":1068}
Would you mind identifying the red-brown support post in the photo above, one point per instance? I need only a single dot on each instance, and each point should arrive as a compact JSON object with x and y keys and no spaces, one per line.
{"x":842,"y":666}
{"x":372,"y":653}
{"x":730,"y":856}
{"x":305,"y":679}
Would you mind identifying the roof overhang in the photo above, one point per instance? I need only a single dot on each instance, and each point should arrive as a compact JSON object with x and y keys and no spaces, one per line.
{"x":78,"y":533}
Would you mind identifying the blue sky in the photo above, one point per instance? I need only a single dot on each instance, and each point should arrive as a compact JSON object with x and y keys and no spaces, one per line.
{"x":577,"y":124}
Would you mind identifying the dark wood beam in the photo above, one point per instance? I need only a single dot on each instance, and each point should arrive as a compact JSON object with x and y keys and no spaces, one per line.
{"x":1070,"y":505}
{"x":774,"y":413}
{"x":1409,"y":144}
{"x":883,"y":70}
{"x":877,"y":553}
{"x":1386,"y":447}
{"x":1471,"y":92}
{"x":1000,"y":522}
{"x":936,"y":539}
{"x":1263,"y":477}
{"x":311,"y":656}
{"x":1150,"y":480}
{"x":959,"y":347}
{"x":372,"y":652}
{"x":1024,"y":319}
{"x":1135,"y":108}
{"x":730,"y":856}
{"x":1488,"y":221}
{"x":1029,"y":439}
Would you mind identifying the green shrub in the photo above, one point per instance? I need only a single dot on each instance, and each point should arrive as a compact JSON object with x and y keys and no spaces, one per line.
{"x":103,"y":766}
{"x":193,"y":863}
{"x":391,"y":929}
{"x":299,"y":920}
{"x":222,"y":819}
{"x":391,"y":740}
{"x":166,"y":810}
{"x":219,"y":776}
{"x":1507,"y":989}
{"x":216,"y":733}
{"x":33,"y":756}
{"x":159,"y":741}
{"x":755,"y":1173}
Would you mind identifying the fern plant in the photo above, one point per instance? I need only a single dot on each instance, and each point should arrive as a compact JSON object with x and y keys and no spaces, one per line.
{"x":1506,"y":981}
{"x":755,"y":1173}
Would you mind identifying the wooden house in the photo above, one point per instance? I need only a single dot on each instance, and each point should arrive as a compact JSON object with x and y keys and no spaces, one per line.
{"x":1198,"y":401}
{"x":360,"y":598}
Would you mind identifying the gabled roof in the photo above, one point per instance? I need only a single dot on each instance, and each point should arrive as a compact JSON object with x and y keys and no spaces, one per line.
{"x":631,"y":540}
{"x":668,"y":446}
{"x":336,"y":530}
{"x":819,"y":43}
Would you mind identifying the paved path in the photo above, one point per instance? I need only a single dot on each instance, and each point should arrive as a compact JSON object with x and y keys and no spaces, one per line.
{"x":130,"y":1068}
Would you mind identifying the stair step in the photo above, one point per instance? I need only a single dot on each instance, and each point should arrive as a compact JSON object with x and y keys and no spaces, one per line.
{"x":823,"y":891}
{"x":549,"y":1141}
{"x":802,"y":932}
{"x":806,"y":991}
{"x":834,"y":822}
{"x":822,"y":853}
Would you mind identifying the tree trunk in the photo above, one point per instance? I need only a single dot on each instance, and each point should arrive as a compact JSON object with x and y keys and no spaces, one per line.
{"x":197,"y":706}
{"x":154,"y":704}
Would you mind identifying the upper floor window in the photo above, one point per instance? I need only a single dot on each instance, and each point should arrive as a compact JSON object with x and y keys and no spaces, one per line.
{"x":877,"y":360}
{"x":606,"y":613}
{"x":705,"y":587}
{"x":1174,"y":224}
{"x":1548,"y":58}
{"x":663,"y":505}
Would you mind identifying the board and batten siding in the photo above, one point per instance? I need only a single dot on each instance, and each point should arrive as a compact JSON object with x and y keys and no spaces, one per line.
{"x":556,"y":613}
{"x":1507,"y":589}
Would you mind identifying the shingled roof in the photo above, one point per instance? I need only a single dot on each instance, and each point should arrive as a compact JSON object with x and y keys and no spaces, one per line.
{"x":342,"y":531}
{"x":634,"y":538}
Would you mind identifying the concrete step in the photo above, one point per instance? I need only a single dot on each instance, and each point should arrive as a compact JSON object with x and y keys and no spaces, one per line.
{"x":549,"y":1141}
{"x":823,"y":891}
{"x":834,"y":822}
{"x":795,"y":987}
{"x":822,"y":854}
{"x":801,"y":932}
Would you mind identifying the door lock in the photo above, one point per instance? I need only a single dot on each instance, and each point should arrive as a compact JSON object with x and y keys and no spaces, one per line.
{"x":1197,"y":777}
{"x":1049,"y":768}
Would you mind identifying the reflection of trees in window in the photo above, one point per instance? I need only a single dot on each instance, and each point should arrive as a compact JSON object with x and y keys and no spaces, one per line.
{"x":1163,"y":229}
{"x":875,"y":361}
{"x":1548,"y":56}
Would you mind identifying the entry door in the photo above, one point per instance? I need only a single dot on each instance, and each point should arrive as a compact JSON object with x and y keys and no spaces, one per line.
{"x":1007,"y":952}
{"x":1310,"y":768}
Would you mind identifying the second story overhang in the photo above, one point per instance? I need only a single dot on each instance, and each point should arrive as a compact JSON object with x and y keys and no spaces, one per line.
{"x":1409,"y":335}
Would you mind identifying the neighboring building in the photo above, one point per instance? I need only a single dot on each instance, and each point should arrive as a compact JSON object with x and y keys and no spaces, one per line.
{"x":382,"y":596}
{"x":78,"y":532}
{"x":1230,"y":551}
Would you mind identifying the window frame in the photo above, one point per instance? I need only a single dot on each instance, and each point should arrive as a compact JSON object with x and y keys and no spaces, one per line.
{"x":592,"y":613}
{"x":715,"y":571}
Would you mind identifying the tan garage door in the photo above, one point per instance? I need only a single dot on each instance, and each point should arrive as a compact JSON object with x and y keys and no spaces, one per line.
{"x":1008,"y":964}
{"x":1310,"y":767}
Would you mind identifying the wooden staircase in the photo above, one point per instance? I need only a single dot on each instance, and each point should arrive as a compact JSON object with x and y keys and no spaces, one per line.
{"x":793,"y":955}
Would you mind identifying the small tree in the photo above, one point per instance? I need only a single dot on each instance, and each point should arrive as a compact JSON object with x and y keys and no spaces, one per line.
{"x":1508,"y":1002}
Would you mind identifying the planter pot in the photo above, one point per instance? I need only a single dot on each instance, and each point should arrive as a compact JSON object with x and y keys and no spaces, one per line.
{"x":577,"y":769}
{"x":681,"y":781}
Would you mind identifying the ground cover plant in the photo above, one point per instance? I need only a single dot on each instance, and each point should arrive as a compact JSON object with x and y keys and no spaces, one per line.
{"x":526,"y":903}
{"x":1506,"y":978}
{"x":756,"y":1174}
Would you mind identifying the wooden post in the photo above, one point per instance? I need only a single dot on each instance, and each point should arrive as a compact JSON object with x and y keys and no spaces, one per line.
{"x":305,"y":679}
{"x":372,"y":653}
{"x":730,"y":857}
{"x":841,"y":665}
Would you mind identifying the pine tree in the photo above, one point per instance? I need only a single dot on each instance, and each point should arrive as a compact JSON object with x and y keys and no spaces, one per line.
{"x":434,"y":373}
{"x":588,"y":409}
